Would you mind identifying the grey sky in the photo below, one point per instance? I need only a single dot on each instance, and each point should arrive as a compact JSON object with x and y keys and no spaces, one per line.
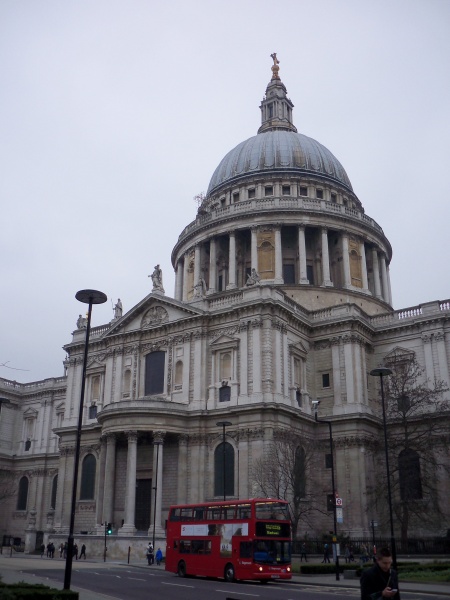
{"x":114,"y":115}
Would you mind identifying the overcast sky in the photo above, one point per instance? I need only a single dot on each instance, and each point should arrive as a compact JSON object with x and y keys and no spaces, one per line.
{"x":114,"y":115}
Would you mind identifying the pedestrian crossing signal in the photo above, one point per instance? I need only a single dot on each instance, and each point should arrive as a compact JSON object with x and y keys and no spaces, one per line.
{"x":109,"y":529}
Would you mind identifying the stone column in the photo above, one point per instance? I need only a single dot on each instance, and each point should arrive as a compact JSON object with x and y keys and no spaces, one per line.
{"x":100,"y":484}
{"x":376,"y":274}
{"x":428,"y":352}
{"x":185,"y":275}
{"x":256,"y":358}
{"x":212,"y":266}
{"x":179,"y":281}
{"x":346,"y":261}
{"x":183,"y":440}
{"x":384,"y":279}
{"x":278,"y":256}
{"x":439,"y":337}
{"x":197,"y":257}
{"x":128,"y":528}
{"x":157,"y":482}
{"x":232,"y":261}
{"x":302,"y":256}
{"x":389,"y":285}
{"x":335,"y":361}
{"x":243,"y":334}
{"x":325,"y":260}
{"x":254,"y":248}
{"x":365,"y":280}
{"x":61,"y":492}
{"x":110,"y":471}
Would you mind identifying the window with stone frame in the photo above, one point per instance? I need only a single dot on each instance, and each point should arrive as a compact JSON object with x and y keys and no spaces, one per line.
{"x":178,"y":379}
{"x":268,"y":190}
{"x":126,"y":391}
{"x":95,"y":388}
{"x":298,"y":373}
{"x":88,"y":469}
{"x":93,"y":411}
{"x":251,"y":193}
{"x":286,"y":190}
{"x":319,"y":194}
{"x":54,"y":492}
{"x":303,"y":190}
{"x":22,"y":495}
{"x":154,"y":373}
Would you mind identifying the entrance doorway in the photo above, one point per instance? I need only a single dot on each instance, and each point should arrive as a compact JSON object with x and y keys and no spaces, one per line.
{"x":143,"y":504}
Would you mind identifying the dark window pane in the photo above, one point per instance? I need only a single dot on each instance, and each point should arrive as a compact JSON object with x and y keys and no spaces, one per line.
{"x":229,"y":470}
{"x":22,"y":496}
{"x":224,"y":393}
{"x":325,"y":380}
{"x":154,"y":373}
{"x":310,"y":274}
{"x":289,"y":274}
{"x":93,"y":411}
{"x":87,"y":491}
{"x":54,"y":492}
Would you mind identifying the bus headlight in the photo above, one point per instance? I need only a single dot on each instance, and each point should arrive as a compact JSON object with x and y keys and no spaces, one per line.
{"x":288,"y":569}
{"x":260,"y":569}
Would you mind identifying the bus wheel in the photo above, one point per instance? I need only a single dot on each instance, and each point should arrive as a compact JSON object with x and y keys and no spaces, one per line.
{"x":181,"y":569}
{"x":229,"y":573}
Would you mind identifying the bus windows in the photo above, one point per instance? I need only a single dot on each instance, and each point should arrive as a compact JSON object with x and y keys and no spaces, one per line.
{"x":246,"y":549}
{"x":243,"y":511}
{"x":274,"y":511}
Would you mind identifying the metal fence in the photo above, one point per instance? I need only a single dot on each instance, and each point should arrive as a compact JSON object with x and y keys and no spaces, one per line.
{"x":438,"y":545}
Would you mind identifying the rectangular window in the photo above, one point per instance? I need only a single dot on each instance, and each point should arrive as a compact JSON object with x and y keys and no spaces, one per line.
{"x":268,"y":190}
{"x":93,"y":411}
{"x":225,"y":393}
{"x":333,"y":197}
{"x":303,"y":190}
{"x":289,"y":274}
{"x":325,"y":380}
{"x":319,"y":194}
{"x":251,"y":193}
{"x":310,"y":274}
{"x":154,"y":373}
{"x":235,"y":197}
{"x":328,"y":461}
{"x":330,"y":502}
{"x":286,"y":190}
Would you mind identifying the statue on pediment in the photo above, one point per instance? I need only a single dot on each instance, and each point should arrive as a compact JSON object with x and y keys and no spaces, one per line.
{"x":81,"y":322}
{"x":157,"y":280}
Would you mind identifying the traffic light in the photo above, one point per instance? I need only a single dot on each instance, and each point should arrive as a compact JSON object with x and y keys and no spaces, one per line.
{"x":109,"y":529}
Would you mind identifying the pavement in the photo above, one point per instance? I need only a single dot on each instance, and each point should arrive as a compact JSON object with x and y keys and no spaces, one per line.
{"x":12,"y":570}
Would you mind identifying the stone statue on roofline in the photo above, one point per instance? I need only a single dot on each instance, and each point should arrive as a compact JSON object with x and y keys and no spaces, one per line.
{"x":81,"y":322}
{"x":157,"y":280}
{"x":118,"y":309}
{"x":253,"y":278}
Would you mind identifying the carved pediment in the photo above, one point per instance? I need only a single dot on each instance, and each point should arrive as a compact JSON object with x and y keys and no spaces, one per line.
{"x":397,"y":355}
{"x":30,"y":413}
{"x":154,"y":316}
{"x":298,"y":348}
{"x":224,"y":341}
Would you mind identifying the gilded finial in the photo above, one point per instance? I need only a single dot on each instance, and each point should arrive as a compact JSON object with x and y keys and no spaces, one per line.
{"x":275,"y":67}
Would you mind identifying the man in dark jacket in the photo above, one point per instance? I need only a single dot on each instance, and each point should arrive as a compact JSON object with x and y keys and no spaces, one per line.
{"x":380,"y":581}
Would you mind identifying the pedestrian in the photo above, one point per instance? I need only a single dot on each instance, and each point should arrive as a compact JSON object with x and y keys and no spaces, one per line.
{"x":303,"y":552}
{"x":42,"y":550}
{"x":347,"y":553}
{"x":380,"y":581}
{"x":149,"y":553}
{"x":48,"y":550}
{"x":158,"y":556}
{"x":75,"y":551}
{"x":83,"y":552}
{"x":326,"y":554}
{"x":364,"y":554}
{"x":61,"y":550}
{"x":52,"y":550}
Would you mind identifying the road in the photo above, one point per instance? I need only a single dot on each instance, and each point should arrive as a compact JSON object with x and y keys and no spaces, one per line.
{"x":125,"y":582}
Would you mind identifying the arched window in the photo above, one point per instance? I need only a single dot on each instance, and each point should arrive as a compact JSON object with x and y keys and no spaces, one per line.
{"x":154,"y":373}
{"x":22,"y":496}
{"x":225,"y":366}
{"x":54,"y":491}
{"x":179,"y":372}
{"x":126,"y":383}
{"x":224,"y":457}
{"x":409,"y":475}
{"x":87,"y":490}
{"x":300,"y":473}
{"x":95,"y":389}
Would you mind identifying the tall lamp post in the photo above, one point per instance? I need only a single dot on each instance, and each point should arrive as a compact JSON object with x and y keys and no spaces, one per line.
{"x":382,"y":372}
{"x":223,"y":424}
{"x":88,"y":297}
{"x":315,"y":404}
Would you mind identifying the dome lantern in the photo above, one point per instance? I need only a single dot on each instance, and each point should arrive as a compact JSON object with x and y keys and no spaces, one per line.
{"x":276,"y":107}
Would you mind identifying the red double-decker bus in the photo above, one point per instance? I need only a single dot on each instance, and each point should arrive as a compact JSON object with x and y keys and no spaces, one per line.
{"x":243,"y":539}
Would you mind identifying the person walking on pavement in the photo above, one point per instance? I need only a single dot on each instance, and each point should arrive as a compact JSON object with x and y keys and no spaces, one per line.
{"x":158,"y":556}
{"x":326,"y":554}
{"x":83,"y":552}
{"x":303,"y":553}
{"x":42,"y":550}
{"x":149,"y":553}
{"x":380,"y":581}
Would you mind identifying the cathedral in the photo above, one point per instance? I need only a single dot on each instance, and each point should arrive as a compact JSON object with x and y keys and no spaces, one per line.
{"x":282,"y":296}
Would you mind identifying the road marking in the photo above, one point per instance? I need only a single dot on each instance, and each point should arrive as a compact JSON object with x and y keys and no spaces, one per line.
{"x":136,"y":579}
{"x":240,"y":593}
{"x":177,"y":584}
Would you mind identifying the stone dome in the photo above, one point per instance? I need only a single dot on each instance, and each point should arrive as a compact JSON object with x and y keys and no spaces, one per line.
{"x":278,"y":151}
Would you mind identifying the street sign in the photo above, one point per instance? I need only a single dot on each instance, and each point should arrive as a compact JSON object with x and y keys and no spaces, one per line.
{"x":339,"y":515}
{"x":374,"y":523}
{"x":338,"y":501}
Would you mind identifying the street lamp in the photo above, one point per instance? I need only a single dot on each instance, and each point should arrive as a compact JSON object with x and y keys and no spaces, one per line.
{"x":88,"y":297}
{"x":315,"y":404}
{"x":223,"y":424}
{"x":382,"y":372}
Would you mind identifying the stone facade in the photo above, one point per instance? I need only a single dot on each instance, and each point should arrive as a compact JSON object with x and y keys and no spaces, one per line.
{"x":282,"y":294}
